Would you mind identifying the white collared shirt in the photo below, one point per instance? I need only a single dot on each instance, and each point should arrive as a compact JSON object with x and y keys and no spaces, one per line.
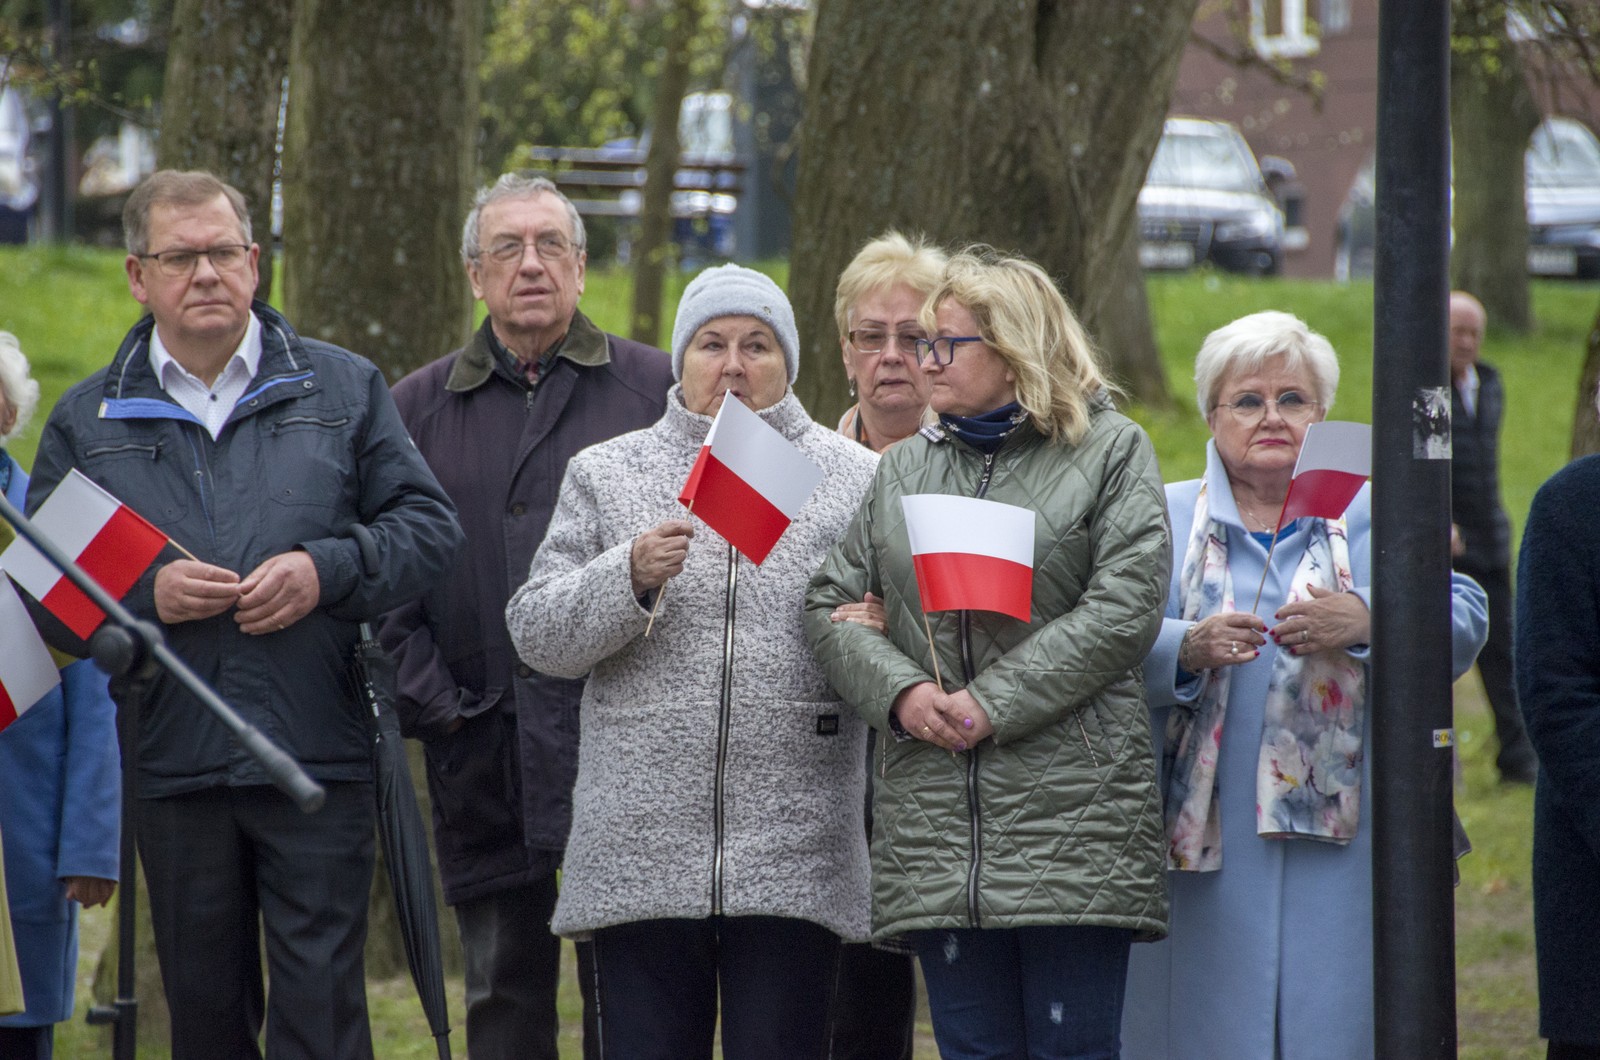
{"x":1467,"y":385}
{"x":211,"y":405}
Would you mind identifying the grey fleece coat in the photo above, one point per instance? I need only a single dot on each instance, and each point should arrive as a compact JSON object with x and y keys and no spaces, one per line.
{"x":709,"y":781}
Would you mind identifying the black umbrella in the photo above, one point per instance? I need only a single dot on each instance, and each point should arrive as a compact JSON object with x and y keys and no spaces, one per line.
{"x":405,"y":840}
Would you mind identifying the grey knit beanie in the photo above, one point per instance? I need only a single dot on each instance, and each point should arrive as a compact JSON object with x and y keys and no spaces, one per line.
{"x":734,"y":291}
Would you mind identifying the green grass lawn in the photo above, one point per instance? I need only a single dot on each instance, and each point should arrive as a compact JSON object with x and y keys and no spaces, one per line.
{"x":69,"y":308}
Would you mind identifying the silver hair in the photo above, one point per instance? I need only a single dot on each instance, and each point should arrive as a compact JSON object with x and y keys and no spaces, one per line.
{"x":515,"y":186}
{"x":1245,"y":345}
{"x":20,"y":389}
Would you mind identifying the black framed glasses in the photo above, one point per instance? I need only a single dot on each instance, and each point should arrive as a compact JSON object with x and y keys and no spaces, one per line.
{"x":1251,"y":409}
{"x":550,"y":247}
{"x":942,"y":350}
{"x":176,"y":264}
{"x":874,"y":340}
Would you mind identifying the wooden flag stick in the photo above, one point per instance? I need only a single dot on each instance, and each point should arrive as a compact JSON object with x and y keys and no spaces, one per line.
{"x":648,"y":626}
{"x":1268,"y":568}
{"x":933,"y":651}
{"x":185,"y":551}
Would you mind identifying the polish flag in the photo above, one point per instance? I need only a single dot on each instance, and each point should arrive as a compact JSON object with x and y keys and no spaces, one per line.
{"x":110,"y":541}
{"x":749,"y":482}
{"x":971,"y":554}
{"x":1335,"y":460}
{"x":27,"y":672}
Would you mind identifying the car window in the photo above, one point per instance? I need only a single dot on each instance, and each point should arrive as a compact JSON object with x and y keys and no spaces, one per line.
{"x":1202,"y":161}
{"x":1563,"y":154}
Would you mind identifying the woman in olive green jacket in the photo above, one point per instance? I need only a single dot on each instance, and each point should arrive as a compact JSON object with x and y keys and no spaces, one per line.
{"x":1017,"y":840}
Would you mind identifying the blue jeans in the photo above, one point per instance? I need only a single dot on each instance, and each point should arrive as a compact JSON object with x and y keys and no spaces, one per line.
{"x":1027,"y":993}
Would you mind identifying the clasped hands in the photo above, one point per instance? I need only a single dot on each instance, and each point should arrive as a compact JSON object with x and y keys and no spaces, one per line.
{"x":274,"y":596}
{"x":1329,"y":620}
{"x":954,"y":721}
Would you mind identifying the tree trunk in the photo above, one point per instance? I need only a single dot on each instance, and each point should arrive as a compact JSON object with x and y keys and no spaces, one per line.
{"x":377,"y":168}
{"x":1126,"y":336}
{"x":653,"y":248}
{"x":226,"y":62}
{"x":1492,"y":115}
{"x":1027,"y":124}
{"x":1585,"y":422}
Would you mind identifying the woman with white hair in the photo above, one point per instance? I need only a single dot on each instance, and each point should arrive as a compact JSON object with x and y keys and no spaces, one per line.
{"x":1262,"y":715}
{"x":60,"y":794}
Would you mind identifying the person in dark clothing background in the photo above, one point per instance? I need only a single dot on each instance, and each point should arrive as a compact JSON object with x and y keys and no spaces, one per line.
{"x":498,"y":420}
{"x":1480,"y":539}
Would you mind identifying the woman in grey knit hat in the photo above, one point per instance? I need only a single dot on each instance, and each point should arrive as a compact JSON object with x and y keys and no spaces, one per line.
{"x":716,"y":851}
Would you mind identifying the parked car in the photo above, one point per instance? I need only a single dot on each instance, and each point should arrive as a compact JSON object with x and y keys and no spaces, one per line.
{"x":1204,"y":199}
{"x":1563,"y":178}
{"x":1561,"y":169}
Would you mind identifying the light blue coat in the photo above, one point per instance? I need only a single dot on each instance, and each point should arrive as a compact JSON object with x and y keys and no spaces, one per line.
{"x":1280,"y":939}
{"x":60,"y":810}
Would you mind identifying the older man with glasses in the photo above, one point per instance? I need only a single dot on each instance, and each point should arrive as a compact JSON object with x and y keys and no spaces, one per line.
{"x":498,"y":420}
{"x":257,"y":451}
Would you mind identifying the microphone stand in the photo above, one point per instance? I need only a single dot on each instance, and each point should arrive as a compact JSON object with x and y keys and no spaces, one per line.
{"x":133,"y":652}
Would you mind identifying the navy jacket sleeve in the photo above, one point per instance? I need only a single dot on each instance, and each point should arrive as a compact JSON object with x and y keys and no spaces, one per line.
{"x":413,"y":523}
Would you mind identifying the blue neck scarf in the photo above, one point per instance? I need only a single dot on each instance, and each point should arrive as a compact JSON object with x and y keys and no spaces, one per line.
{"x":985,"y":433}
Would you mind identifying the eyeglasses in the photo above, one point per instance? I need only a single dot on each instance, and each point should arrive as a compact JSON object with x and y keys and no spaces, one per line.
{"x":1251,"y":409}
{"x":873,"y":340}
{"x":942,"y":350}
{"x":176,"y":264}
{"x":549,"y":248}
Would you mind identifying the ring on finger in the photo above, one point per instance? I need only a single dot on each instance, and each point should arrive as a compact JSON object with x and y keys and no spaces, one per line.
{"x":1233,"y":647}
{"x":1305,"y":635}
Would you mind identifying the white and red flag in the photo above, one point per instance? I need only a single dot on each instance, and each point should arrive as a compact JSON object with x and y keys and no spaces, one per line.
{"x":971,"y":554}
{"x":27,"y":671}
{"x":1335,"y":460}
{"x":749,"y":482}
{"x":110,"y":541}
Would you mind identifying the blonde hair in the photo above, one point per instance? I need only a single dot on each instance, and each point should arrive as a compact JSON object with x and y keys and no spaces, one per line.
{"x":21,"y":391}
{"x":1024,"y":318}
{"x":891,"y":260}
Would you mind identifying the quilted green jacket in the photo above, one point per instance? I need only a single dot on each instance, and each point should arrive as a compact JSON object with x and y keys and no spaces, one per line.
{"x":1056,"y":819}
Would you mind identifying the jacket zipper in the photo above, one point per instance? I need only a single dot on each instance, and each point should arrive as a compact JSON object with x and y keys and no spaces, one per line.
{"x":973,"y":814}
{"x":723,"y":721}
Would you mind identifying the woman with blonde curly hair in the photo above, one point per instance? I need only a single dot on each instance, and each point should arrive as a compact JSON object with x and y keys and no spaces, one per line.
{"x":1017,"y":833}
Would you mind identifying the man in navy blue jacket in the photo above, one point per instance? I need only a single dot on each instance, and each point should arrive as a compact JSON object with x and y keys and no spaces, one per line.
{"x":256,"y":451}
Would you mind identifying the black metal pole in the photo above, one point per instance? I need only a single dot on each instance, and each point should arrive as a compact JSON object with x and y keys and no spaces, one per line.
{"x":1410,"y":705}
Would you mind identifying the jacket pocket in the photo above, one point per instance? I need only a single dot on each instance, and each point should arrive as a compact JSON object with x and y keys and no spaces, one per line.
{"x":472,"y":776}
{"x":153,"y":490}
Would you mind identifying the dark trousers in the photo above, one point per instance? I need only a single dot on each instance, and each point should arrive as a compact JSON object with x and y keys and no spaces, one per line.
{"x":1571,"y":1051}
{"x":1028,"y":993}
{"x":1516,"y":759}
{"x":27,"y":1043}
{"x":220,"y":861}
{"x":659,"y":983}
{"x":874,"y":1004}
{"x":513,"y":968}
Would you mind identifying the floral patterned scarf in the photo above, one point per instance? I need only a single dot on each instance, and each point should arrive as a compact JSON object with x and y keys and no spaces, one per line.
{"x":1308,"y":776}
